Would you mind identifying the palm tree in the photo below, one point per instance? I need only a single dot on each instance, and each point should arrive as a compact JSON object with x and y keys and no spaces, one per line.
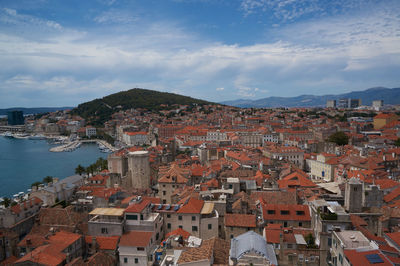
{"x":79,"y":169}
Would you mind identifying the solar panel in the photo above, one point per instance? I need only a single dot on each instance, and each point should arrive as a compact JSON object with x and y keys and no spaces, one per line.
{"x":177,"y":207}
{"x":168,"y":207}
{"x":374,"y":258}
{"x":159,"y":207}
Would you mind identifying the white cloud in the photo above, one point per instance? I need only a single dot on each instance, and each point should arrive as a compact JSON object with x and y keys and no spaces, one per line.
{"x":327,"y":53}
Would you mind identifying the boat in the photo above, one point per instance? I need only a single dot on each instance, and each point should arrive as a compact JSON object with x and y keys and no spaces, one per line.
{"x":37,"y":137}
{"x":21,"y":136}
{"x":8,"y":135}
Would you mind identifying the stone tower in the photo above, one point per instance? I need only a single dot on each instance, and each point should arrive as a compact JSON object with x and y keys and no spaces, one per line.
{"x":139,"y":169}
{"x":353,"y":196}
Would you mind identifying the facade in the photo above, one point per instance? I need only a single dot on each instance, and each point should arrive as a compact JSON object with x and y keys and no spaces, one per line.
{"x":331,"y":104}
{"x":346,"y":240}
{"x":383,"y":119}
{"x":135,"y":138}
{"x":91,"y":131}
{"x":135,"y":248}
{"x":286,"y":215}
{"x":15,"y":118}
{"x":106,"y":222}
{"x":291,"y":154}
{"x":139,"y":169}
{"x":323,"y":168}
{"x":237,"y":224}
{"x":353,"y":196}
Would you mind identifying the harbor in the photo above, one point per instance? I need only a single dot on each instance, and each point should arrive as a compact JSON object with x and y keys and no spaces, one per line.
{"x":64,"y":143}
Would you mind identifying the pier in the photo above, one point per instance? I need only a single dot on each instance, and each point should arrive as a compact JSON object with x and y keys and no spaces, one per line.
{"x":75,"y":144}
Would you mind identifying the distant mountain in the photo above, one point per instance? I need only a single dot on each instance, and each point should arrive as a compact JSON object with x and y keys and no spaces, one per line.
{"x":389,"y":96}
{"x":98,"y":111}
{"x":34,"y":110}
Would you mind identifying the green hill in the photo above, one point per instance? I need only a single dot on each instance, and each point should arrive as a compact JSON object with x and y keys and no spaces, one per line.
{"x":98,"y":111}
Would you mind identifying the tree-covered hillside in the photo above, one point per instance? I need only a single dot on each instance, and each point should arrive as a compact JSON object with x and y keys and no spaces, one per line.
{"x":98,"y":111}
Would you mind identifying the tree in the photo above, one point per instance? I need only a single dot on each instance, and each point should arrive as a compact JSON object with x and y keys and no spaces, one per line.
{"x":48,"y":179}
{"x":35,"y":184}
{"x":397,"y":142}
{"x":6,"y":202}
{"x":340,"y":138}
{"x":79,"y":169}
{"x":310,"y":241}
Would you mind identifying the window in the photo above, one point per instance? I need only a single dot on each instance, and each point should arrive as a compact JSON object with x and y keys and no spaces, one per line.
{"x":164,"y":192}
{"x":140,"y":248}
{"x":168,"y":215}
{"x":181,"y":227}
{"x":289,"y":246}
{"x":168,"y":225}
{"x":271,"y":212}
{"x":300,"y":212}
{"x":231,"y":236}
{"x":163,"y":185}
{"x":194,"y":228}
{"x":209,"y":226}
{"x":284,"y":212}
{"x":131,"y":217}
{"x":180,"y":217}
{"x":300,"y":224}
{"x":157,"y":236}
{"x":125,"y":260}
{"x":136,"y":260}
{"x":284,"y":224}
{"x":193,"y":218}
{"x":141,"y":217}
{"x":104,"y":230}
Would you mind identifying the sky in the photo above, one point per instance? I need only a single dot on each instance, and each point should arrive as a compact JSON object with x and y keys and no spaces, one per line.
{"x":63,"y":53}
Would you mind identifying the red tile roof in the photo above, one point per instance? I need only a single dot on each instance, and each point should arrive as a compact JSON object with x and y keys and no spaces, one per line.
{"x":137,"y":207}
{"x":358,"y":257}
{"x":192,"y":206}
{"x":136,"y":239}
{"x":284,"y":212}
{"x":240,"y":220}
{"x":104,"y":242}
{"x":180,"y":232}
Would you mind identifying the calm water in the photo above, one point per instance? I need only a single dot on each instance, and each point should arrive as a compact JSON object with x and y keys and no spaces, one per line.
{"x":24,"y":161}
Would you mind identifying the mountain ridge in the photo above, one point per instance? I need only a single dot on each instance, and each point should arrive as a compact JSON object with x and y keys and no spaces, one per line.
{"x":388,"y":95}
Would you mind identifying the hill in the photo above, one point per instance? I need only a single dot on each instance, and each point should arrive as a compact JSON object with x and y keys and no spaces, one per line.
{"x":98,"y":111}
{"x":34,"y":110}
{"x":389,"y":96}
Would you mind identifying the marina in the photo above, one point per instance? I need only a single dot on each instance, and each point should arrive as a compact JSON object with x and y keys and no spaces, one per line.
{"x":25,"y":161}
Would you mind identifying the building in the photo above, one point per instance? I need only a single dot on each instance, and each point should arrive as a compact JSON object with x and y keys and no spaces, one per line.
{"x":136,"y":247}
{"x":346,"y":240}
{"x":90,"y":131}
{"x":383,"y":119}
{"x":326,"y":217}
{"x":139,"y":169}
{"x":237,"y":224}
{"x":15,"y":118}
{"x":353,"y":196}
{"x":349,"y":103}
{"x":323,"y":168}
{"x":291,"y":154}
{"x":251,"y":248}
{"x":377,"y":104}
{"x":106,"y":222}
{"x":331,"y":104}
{"x":135,"y":138}
{"x":286,"y":214}
{"x":171,"y":178}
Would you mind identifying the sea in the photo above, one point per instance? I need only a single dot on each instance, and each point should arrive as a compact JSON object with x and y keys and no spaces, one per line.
{"x":25,"y":161}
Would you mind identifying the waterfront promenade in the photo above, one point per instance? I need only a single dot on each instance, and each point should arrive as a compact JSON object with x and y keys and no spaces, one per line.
{"x":75,"y":144}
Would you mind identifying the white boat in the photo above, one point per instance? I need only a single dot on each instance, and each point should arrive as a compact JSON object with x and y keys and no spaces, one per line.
{"x":37,"y":137}
{"x":8,"y":135}
{"x":21,"y":136}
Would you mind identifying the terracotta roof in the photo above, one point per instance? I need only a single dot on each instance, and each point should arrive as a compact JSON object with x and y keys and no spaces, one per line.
{"x":284,"y":212}
{"x":44,"y":255}
{"x":395,"y":237}
{"x":240,"y":220}
{"x":185,"y":235}
{"x":137,"y":207}
{"x":136,"y":239}
{"x":214,"y":249}
{"x":359,"y":257}
{"x":192,"y":206}
{"x":104,"y":242}
{"x":272,"y":236}
{"x":392,"y":195}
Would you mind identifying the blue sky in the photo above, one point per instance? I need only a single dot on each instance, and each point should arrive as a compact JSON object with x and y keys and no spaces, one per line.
{"x":62,"y":53}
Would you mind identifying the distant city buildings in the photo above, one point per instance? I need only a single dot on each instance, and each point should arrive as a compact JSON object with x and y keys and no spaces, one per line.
{"x":331,"y":104}
{"x":15,"y":118}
